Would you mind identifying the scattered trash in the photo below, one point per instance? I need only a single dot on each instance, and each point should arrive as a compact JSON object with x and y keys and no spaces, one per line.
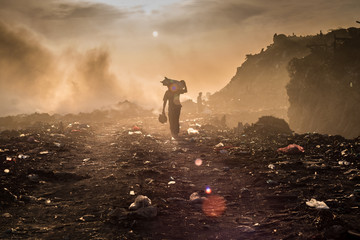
{"x":141,"y":201}
{"x":192,"y":131}
{"x":135,"y":132}
{"x":57,"y":144}
{"x":317,"y":204}
{"x":195,"y":196}
{"x":88,"y":218}
{"x":171,"y":182}
{"x":346,"y":163}
{"x":271,"y":166}
{"x":6,"y":215}
{"x":132,"y":193}
{"x":219,"y":145}
{"x":44,"y":152}
{"x":173,"y":164}
{"x":149,"y":181}
{"x":344,"y":152}
{"x":22,"y":156}
{"x":271,"y":182}
{"x":292,"y":149}
{"x":136,"y":128}
{"x":6,"y":170}
{"x":86,"y":159}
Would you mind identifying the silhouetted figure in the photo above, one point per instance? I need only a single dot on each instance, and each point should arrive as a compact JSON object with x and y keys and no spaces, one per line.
{"x":61,"y":127}
{"x":199,"y":103}
{"x":175,"y":88}
{"x":223,"y":121}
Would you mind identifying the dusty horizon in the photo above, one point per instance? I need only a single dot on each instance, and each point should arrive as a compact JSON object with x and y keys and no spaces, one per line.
{"x":70,"y":56}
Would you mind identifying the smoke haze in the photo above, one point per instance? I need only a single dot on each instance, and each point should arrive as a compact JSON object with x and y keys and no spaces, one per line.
{"x":68,"y":56}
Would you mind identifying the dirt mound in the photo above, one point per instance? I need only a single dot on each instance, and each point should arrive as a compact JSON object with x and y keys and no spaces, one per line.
{"x":268,"y":125}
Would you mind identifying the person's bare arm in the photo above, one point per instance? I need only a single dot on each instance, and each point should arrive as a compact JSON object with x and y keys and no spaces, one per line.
{"x":164,"y":105}
{"x":184,"y":90}
{"x":165,"y":99}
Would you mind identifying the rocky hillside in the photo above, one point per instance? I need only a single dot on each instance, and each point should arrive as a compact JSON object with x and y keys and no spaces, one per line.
{"x":324,"y":90}
{"x":312,"y":81}
{"x":259,"y":84}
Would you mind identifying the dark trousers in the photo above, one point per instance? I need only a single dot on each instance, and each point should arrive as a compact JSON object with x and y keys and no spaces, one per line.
{"x":174,"y":118}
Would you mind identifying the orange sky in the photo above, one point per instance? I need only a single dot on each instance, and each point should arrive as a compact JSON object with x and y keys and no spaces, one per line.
{"x":68,"y":56}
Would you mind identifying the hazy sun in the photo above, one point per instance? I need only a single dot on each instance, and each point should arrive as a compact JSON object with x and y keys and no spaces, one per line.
{"x":155,"y":33}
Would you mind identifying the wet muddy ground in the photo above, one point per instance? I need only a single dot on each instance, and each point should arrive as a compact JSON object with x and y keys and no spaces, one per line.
{"x":214,"y":183}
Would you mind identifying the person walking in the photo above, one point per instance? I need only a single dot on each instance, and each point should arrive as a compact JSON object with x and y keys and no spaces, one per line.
{"x":172,"y":95}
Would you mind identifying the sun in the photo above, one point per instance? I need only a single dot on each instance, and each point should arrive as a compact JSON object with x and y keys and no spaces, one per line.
{"x":155,"y":33}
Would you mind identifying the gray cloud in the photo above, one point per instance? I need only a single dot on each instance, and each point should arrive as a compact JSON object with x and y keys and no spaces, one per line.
{"x":208,"y":15}
{"x":202,"y":16}
{"x":60,"y":20}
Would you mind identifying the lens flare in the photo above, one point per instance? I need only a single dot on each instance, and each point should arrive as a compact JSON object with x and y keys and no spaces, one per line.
{"x":208,"y":190}
{"x":198,"y":162}
{"x":214,"y":206}
{"x":174,"y":87}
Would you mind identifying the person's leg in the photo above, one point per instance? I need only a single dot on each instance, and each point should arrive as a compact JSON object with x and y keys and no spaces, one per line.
{"x":172,"y":120}
{"x":176,"y":129}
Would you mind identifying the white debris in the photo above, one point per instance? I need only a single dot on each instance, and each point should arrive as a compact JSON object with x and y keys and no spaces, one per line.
{"x":22,"y":156}
{"x":317,"y":204}
{"x":271,"y":166}
{"x":192,"y":131}
{"x":219,"y":145}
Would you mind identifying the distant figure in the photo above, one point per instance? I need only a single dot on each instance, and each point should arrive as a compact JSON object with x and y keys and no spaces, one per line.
{"x":223,"y":121}
{"x":240,"y":128}
{"x":175,"y":88}
{"x":199,"y":103}
{"x":61,"y":127}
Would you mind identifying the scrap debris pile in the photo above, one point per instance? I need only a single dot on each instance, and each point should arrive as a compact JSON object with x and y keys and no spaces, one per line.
{"x":129,"y":180}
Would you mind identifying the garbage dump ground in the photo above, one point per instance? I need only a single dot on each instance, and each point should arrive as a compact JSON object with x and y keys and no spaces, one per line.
{"x":130,"y":180}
